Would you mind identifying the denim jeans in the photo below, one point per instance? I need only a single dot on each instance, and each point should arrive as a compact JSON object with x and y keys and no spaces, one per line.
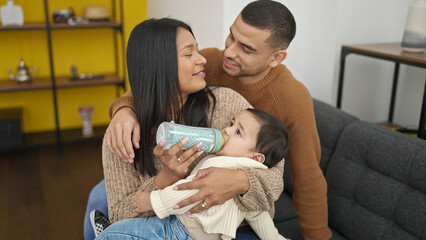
{"x":98,"y":201}
{"x":146,"y":229}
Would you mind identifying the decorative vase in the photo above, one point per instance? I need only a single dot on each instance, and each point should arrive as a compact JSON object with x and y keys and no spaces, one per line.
{"x":86,"y":115}
{"x":414,"y":39}
{"x":11,"y":14}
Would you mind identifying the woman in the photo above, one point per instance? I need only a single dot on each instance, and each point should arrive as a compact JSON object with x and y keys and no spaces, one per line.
{"x":167,"y":81}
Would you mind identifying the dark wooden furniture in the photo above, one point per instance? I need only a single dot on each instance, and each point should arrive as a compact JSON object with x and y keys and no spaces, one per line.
{"x":55,"y":82}
{"x":389,"y":52}
{"x":10,"y":128}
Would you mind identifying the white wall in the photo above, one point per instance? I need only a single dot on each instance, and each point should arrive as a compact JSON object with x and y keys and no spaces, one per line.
{"x":322,"y":27}
{"x":205,"y":18}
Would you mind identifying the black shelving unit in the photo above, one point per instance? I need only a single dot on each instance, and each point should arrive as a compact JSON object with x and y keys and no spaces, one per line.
{"x":54,"y":82}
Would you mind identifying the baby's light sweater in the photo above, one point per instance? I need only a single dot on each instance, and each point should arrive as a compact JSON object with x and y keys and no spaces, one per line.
{"x":223,"y":219}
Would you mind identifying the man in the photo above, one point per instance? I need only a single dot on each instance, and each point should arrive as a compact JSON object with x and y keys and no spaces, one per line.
{"x":251,"y":65}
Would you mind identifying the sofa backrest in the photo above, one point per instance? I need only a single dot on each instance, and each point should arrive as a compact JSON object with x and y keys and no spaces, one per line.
{"x":330,"y":124}
{"x":377,"y":184}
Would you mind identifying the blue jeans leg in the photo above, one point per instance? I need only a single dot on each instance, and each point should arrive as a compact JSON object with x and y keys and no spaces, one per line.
{"x":246,"y":233}
{"x":146,"y":229}
{"x":97,"y":201}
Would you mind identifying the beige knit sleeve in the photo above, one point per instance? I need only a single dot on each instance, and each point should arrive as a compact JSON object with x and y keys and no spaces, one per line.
{"x":266,"y":186}
{"x":124,"y":101}
{"x":122,"y":182}
{"x":262,"y":224}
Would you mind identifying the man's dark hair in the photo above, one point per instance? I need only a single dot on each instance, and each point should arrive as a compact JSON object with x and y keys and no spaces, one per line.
{"x":272,"y":139}
{"x":272,"y":16}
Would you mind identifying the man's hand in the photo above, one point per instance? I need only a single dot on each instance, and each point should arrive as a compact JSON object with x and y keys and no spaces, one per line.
{"x":217,"y":185}
{"x":142,"y":202}
{"x":119,"y":134}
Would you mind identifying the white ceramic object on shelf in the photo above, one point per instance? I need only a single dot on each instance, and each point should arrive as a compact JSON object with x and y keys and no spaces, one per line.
{"x":11,"y":14}
{"x":414,"y":39}
{"x":86,"y":115}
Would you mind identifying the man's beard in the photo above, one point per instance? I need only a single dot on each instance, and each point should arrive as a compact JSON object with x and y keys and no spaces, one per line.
{"x":242,"y":73}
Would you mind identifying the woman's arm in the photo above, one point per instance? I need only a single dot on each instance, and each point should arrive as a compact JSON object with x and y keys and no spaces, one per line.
{"x":217,"y":185}
{"x":266,"y":186}
{"x":164,"y":201}
{"x":122,"y":181}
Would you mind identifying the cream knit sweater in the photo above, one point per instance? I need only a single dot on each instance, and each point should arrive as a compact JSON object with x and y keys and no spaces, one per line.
{"x":123,"y":181}
{"x":223,"y":219}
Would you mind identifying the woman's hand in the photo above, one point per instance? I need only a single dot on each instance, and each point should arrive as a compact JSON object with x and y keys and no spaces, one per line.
{"x":217,"y":185}
{"x":176,"y":162}
{"x":142,"y":202}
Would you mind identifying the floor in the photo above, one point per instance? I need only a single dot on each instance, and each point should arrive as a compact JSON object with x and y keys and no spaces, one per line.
{"x":44,"y":196}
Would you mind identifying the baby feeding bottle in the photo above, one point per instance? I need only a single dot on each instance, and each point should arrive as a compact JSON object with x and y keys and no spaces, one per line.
{"x":172,"y":133}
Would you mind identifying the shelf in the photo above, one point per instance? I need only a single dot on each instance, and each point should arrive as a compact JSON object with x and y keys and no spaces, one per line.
{"x":32,"y":140}
{"x":7,"y":85}
{"x":28,"y":26}
{"x":61,"y":82}
{"x":43,"y":26}
{"x":115,"y":25}
{"x":65,"y":82}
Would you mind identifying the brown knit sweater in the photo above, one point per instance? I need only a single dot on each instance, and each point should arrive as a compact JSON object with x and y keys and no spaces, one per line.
{"x":123,"y":181}
{"x":288,"y":99}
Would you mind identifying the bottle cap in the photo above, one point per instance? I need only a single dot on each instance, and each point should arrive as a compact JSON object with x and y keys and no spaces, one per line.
{"x":219,"y":141}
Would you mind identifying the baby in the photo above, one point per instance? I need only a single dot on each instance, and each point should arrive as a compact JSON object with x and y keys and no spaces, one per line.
{"x":254,"y":138}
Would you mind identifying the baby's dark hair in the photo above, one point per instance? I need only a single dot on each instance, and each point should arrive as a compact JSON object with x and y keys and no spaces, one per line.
{"x":272,"y":139}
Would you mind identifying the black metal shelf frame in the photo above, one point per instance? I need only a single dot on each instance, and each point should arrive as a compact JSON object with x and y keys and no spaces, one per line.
{"x":345,"y":51}
{"x":49,"y":27}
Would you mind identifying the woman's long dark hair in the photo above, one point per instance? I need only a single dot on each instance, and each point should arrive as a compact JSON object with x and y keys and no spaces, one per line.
{"x":152,"y":65}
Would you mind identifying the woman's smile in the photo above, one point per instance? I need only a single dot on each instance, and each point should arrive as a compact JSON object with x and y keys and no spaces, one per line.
{"x":199,"y":74}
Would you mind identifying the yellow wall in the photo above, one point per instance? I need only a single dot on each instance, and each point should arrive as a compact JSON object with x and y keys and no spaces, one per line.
{"x":91,"y":50}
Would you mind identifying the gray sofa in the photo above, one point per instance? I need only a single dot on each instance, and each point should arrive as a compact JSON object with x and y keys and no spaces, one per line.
{"x":376,"y":181}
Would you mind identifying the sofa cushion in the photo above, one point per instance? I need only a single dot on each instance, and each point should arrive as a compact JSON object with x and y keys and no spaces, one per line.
{"x":330,"y":124}
{"x":284,"y":208}
{"x":290,"y":229}
{"x":377,"y":184}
